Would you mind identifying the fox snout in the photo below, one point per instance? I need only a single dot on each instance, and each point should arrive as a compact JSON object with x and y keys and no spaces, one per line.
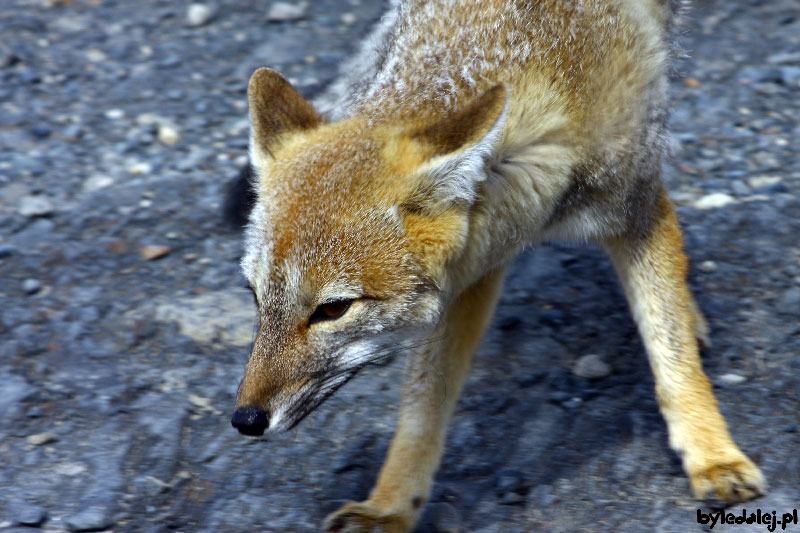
{"x":251,"y":421}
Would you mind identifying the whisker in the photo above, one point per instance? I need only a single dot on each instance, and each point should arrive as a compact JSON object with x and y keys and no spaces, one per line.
{"x":320,"y":385}
{"x":383,"y":354}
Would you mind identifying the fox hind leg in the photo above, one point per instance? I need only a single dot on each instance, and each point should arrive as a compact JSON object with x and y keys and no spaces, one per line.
{"x":652,"y":268}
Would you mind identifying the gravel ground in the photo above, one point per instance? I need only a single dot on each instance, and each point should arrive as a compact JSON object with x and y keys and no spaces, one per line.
{"x":124,"y":327}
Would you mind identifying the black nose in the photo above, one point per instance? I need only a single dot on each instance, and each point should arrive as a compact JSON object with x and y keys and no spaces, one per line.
{"x":250,"y":420}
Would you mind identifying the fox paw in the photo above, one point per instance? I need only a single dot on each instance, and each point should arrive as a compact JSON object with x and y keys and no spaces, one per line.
{"x":729,"y":480}
{"x":362,"y":518}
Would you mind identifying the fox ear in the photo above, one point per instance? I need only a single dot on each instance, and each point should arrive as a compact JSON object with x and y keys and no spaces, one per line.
{"x":460,"y":144}
{"x":276,"y":108}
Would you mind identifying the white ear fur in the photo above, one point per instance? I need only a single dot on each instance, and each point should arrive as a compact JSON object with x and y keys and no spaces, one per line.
{"x":454,"y":177}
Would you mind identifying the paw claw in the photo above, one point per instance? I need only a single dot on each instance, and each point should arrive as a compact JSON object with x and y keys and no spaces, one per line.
{"x":362,"y":518}
{"x":730,"y":481}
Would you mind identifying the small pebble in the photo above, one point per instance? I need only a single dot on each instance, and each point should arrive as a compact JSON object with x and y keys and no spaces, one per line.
{"x":591,"y":367}
{"x":281,"y":11}
{"x":790,"y":76}
{"x":148,"y":119}
{"x":31,"y":286}
{"x":349,"y":19}
{"x":41,"y":131}
{"x":96,"y":56}
{"x":35,"y":206}
{"x":114,"y":114}
{"x":140,"y":168}
{"x":775,"y":188}
{"x":199,"y":15}
{"x":170,"y":61}
{"x":789,"y":302}
{"x":29,"y":515}
{"x":740,"y":188}
{"x":40,"y":439}
{"x":90,"y":519}
{"x":763,"y":181}
{"x":683,"y":197}
{"x":7,"y":250}
{"x":168,"y":135}
{"x":731,"y":379}
{"x":784,"y":58}
{"x":714,"y":200}
{"x":97,"y":182}
{"x":708,"y":266}
{"x":151,"y":252}
{"x":73,"y":131}
{"x":201,"y":402}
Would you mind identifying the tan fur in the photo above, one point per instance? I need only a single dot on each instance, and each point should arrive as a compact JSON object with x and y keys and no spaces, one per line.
{"x":471,"y":131}
{"x":652,"y":269}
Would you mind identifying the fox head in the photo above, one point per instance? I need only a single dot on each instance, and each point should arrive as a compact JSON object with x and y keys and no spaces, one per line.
{"x":352,"y":244}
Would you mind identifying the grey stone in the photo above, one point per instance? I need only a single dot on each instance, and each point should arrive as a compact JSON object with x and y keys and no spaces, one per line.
{"x":759,"y":74}
{"x":714,"y":201}
{"x":31,"y":286}
{"x":784,"y":58}
{"x":7,"y":250}
{"x":791,"y":77}
{"x":707,"y":267}
{"x":74,"y":130}
{"x":740,"y":188}
{"x":193,"y":160}
{"x":7,"y":56}
{"x":40,"y":439}
{"x":27,"y":514}
{"x":15,"y":390}
{"x":41,"y":131}
{"x":37,"y":232}
{"x":35,"y":206}
{"x":199,"y":14}
{"x":789,"y":302}
{"x":281,"y":11}
{"x":731,"y":379}
{"x":90,"y":519}
{"x":772,"y":188}
{"x":591,"y":366}
{"x":170,"y":61}
{"x":686,"y":137}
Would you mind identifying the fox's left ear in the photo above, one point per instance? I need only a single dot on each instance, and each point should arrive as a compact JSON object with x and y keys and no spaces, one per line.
{"x":460,"y":146}
{"x":276,"y":108}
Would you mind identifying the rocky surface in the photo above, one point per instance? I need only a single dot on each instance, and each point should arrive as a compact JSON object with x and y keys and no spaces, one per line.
{"x":124,"y":328}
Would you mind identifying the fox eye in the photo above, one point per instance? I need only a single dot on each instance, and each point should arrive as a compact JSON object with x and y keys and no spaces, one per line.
{"x":330,"y":311}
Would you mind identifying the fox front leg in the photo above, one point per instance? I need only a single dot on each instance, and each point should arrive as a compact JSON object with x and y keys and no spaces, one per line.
{"x":434,"y":378}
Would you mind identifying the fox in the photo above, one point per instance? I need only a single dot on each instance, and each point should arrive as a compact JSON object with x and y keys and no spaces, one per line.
{"x":387,"y":212}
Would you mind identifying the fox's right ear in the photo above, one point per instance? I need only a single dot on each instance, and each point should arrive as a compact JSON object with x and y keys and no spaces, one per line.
{"x":459,"y":147}
{"x":276,"y":108}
